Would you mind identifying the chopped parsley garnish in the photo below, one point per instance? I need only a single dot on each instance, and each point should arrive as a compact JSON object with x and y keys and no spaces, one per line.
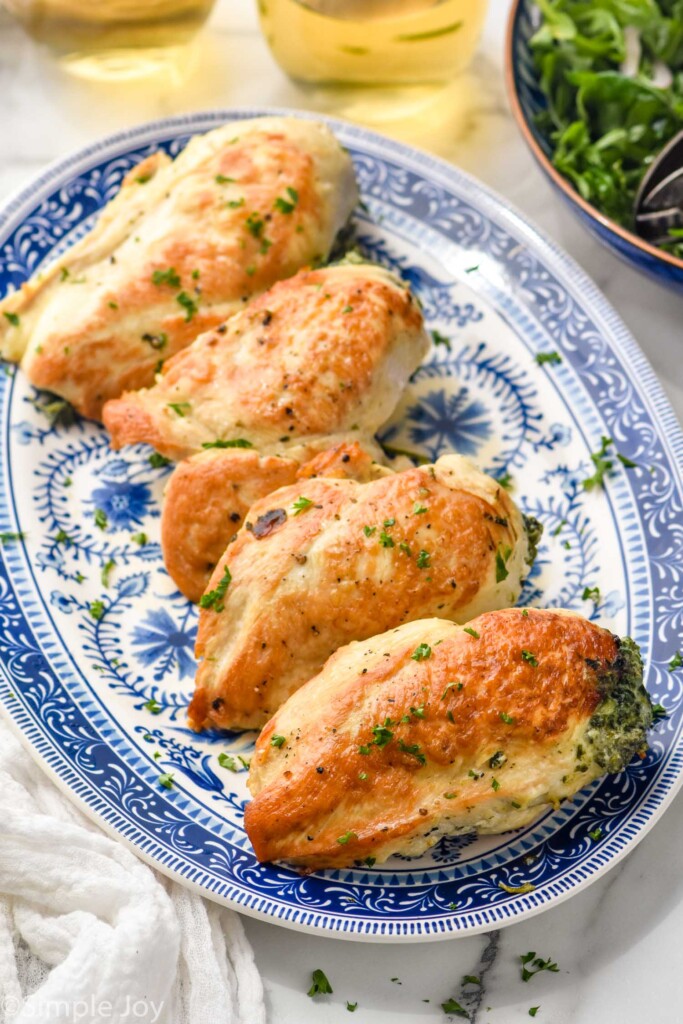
{"x":450,"y":686}
{"x":62,"y":537}
{"x":533,"y":1010}
{"x":239,"y":442}
{"x":287,"y":205}
{"x":472,"y":632}
{"x":538,"y":964}
{"x":502,"y":555}
{"x":153,"y":706}
{"x":346,"y":838}
{"x":13,"y":318}
{"x":277,"y":741}
{"x":370,"y":861}
{"x":166,"y":780}
{"x":530,"y":658}
{"x":96,"y":610}
{"x":179,"y":408}
{"x":364,"y":749}
{"x":658,"y":712}
{"x":388,"y":523}
{"x":347,"y":309}
{"x":139,"y":538}
{"x":517,"y":890}
{"x":676,"y":661}
{"x":106,"y":571}
{"x":214,"y":598}
{"x":591,"y":594}
{"x":471,"y":979}
{"x":413,"y":749}
{"x":424,"y":560}
{"x":553,"y":358}
{"x":508,"y":719}
{"x":498,"y":759}
{"x":604,"y":464}
{"x":418,"y":712}
{"x":234,"y":204}
{"x":320,"y":986}
{"x":421,"y":652}
{"x":223,"y":179}
{"x":169,"y":277}
{"x":495,"y":785}
{"x":188,"y":304}
{"x":385,"y":540}
{"x":301,"y":505}
{"x":156,"y":460}
{"x":595,"y":834}
{"x":369,"y":530}
{"x":226,"y":761}
{"x":100,"y":517}
{"x":382,"y":735}
{"x":351,"y":1007}
{"x":405,"y":548}
{"x":419,"y":509}
{"x":505,"y":480}
{"x":474,"y":773}
{"x":362,"y":776}
{"x":6,"y":537}
{"x":440,"y":339}
{"x":452,"y":1006}
{"x":255,"y":225}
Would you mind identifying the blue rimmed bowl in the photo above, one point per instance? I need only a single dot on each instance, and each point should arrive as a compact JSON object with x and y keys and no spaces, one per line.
{"x":527,"y":101}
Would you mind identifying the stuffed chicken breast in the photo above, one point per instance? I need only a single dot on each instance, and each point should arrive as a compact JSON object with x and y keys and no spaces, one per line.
{"x":433,"y":729}
{"x":325,"y":561}
{"x":183,"y":245}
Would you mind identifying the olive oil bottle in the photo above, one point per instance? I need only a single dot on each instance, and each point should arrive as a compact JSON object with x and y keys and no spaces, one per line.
{"x":372,"y":42}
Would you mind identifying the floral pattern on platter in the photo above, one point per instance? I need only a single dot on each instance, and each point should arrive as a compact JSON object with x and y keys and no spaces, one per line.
{"x":98,"y":643}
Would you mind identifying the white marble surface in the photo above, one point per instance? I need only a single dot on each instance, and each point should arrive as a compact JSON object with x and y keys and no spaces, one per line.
{"x":616,"y":942}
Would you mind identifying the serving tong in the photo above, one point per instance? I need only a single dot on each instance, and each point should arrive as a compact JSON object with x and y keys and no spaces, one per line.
{"x":659,"y":202}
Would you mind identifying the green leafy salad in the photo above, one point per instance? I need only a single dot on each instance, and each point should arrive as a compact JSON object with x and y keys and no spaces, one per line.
{"x":612,"y":74}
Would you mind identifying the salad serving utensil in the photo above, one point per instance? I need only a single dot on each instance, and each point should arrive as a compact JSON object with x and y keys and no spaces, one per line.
{"x":659,"y":202}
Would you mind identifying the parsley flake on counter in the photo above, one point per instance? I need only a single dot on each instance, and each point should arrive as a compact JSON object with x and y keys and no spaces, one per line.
{"x":214,"y":598}
{"x":277,"y":741}
{"x":166,"y":780}
{"x":421,"y":652}
{"x":179,"y":408}
{"x":96,"y":610}
{"x":156,"y":460}
{"x":452,"y":1006}
{"x":351,"y":1007}
{"x":169,"y":277}
{"x":538,"y":964}
{"x":106,"y":571}
{"x":238,"y":442}
{"x":226,"y":761}
{"x":100,"y":517}
{"x":533,"y":1010}
{"x":471,"y":979}
{"x":152,"y":706}
{"x":553,"y":358}
{"x":676,"y":661}
{"x":346,"y":838}
{"x":472,"y":632}
{"x":188,"y":304}
{"x":12,"y":318}
{"x":320,"y":986}
{"x":591,"y":594}
{"x":508,"y":719}
{"x":301,"y":505}
{"x":529,"y":658}
{"x":424,"y":560}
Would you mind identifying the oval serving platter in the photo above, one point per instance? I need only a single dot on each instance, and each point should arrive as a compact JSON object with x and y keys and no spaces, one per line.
{"x":96,"y":645}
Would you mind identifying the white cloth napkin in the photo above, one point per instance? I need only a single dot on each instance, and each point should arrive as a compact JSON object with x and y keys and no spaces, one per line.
{"x":88,"y":933}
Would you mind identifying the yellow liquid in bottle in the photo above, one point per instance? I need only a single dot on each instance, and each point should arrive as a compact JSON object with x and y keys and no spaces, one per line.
{"x":372,"y":42}
{"x":116,"y":38}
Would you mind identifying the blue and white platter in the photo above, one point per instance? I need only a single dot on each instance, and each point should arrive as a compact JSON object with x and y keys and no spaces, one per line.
{"x":78,"y":688}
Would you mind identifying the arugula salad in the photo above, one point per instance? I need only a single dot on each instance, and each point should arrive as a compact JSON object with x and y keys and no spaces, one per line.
{"x":612,"y":74}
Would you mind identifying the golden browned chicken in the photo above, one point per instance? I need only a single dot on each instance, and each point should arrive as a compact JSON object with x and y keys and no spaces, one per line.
{"x":183,"y":245}
{"x":327,"y":352}
{"x":208,"y":496}
{"x":324,"y":562}
{"x":434,"y":729}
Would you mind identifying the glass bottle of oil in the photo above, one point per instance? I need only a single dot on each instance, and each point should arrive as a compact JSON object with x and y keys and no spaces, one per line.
{"x":372,"y":42}
{"x":112,"y":38}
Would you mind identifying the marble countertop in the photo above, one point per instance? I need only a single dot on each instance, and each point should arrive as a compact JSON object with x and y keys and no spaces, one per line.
{"x":613,"y":942}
